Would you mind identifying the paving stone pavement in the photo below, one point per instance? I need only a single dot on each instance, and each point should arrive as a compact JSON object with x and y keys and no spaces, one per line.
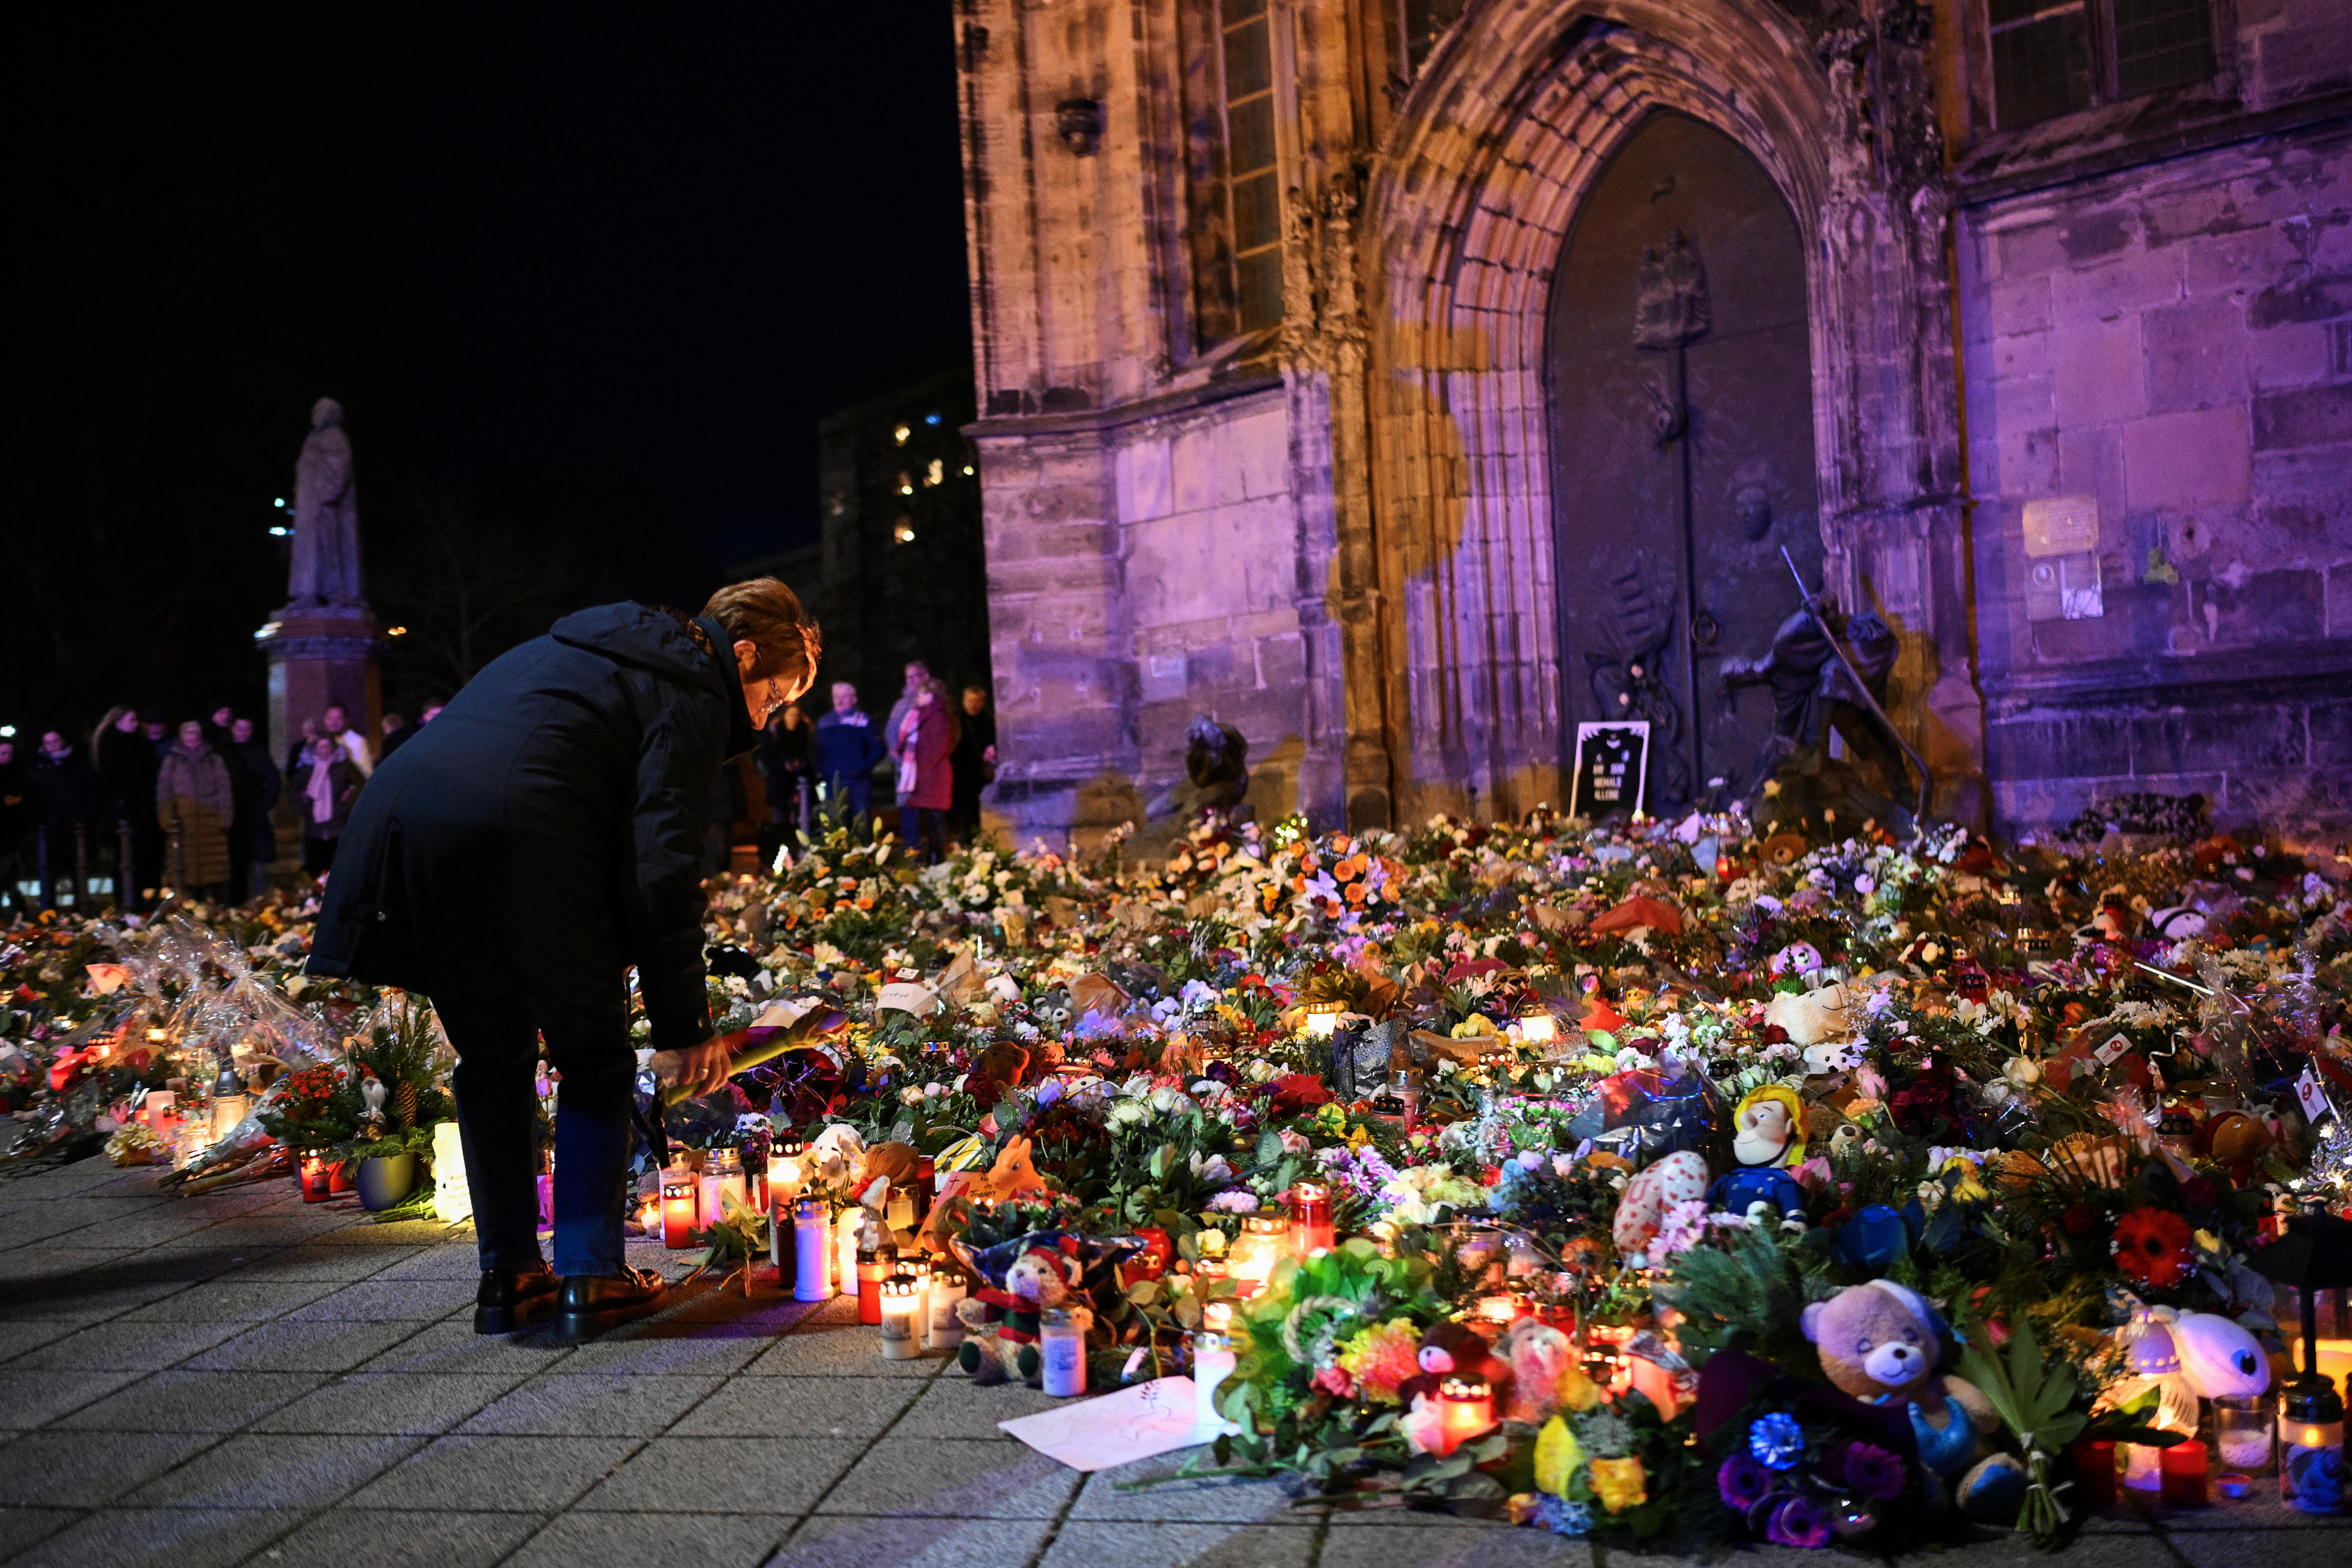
{"x":238,"y":1378}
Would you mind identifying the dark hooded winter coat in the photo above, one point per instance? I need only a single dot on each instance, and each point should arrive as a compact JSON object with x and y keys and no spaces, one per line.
{"x":547,"y":829}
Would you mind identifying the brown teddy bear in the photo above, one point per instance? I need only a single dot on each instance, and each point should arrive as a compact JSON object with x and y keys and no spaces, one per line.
{"x":1881,"y":1342}
{"x":1451,"y":1349}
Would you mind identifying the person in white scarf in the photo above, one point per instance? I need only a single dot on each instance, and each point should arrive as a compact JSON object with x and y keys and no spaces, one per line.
{"x":327,"y":794}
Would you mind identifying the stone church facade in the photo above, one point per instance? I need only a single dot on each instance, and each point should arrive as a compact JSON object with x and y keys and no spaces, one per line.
{"x":1406,"y":382}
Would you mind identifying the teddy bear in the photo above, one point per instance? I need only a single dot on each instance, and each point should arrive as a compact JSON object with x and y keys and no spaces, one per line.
{"x":1538,"y":1354}
{"x":1880,"y":1343}
{"x":1451,"y":1349}
{"x":1019,"y":1281}
{"x":1001,"y":1317}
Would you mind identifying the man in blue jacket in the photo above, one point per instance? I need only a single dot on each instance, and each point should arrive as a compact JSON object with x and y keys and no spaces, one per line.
{"x":848,"y":745}
{"x":540,"y":838}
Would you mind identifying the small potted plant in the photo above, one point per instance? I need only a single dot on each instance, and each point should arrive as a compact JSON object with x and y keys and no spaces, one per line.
{"x":395,"y":1071}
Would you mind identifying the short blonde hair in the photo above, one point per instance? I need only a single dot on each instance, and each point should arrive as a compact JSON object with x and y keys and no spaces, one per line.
{"x":767,"y":614}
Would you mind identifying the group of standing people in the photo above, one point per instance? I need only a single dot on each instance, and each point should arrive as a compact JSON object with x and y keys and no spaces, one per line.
{"x":941,"y":752}
{"x":189,"y":807}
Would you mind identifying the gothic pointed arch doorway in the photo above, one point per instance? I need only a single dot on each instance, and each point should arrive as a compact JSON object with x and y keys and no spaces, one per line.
{"x":1682,"y":408}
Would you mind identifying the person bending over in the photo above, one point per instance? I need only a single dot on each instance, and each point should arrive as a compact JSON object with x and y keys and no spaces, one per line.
{"x":514,"y":859}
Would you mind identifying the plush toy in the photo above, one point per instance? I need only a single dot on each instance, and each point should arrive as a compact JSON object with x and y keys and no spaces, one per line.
{"x":1019,"y":1281}
{"x":2222,"y":1361}
{"x":1538,"y":1355}
{"x":1769,"y":1141}
{"x":1881,"y":1342}
{"x":1001,"y":1317}
{"x":1011,"y":1175}
{"x":1451,"y":1349}
{"x":1678,"y":1178}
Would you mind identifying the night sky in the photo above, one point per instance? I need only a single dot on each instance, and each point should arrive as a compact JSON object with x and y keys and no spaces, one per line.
{"x":584,"y":280}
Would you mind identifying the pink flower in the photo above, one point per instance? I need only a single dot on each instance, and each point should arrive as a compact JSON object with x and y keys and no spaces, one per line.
{"x":1334,"y":1381}
{"x":1424,"y":1425}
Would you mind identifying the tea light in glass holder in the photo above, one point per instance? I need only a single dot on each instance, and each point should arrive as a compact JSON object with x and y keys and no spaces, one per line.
{"x":2142,"y":1467}
{"x":2094,"y":1472}
{"x":919,"y":1267}
{"x":2183,"y":1466}
{"x":1060,"y":1353}
{"x":2243,"y":1429}
{"x":845,"y":1252}
{"x":783,"y":1193}
{"x":2311,"y":1445}
{"x":1539,"y":1027}
{"x":900,"y":1299}
{"x":1255,"y":1254}
{"x":812,"y":1251}
{"x":315,"y":1178}
{"x":1310,"y":1220}
{"x":1466,"y":1410}
{"x":679,"y":1207}
{"x":945,"y":1329}
{"x":1323,"y":1019}
{"x":1212,"y":1362}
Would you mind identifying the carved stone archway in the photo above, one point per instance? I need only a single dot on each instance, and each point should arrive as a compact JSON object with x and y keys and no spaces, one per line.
{"x":1465,"y":218}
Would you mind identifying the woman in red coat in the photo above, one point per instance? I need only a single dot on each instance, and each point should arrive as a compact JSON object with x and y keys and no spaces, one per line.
{"x":926,"y":775}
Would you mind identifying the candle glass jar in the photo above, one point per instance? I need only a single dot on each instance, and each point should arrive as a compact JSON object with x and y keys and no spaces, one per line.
{"x":812,"y":1252}
{"x":918,"y":1268}
{"x":2142,"y":1467}
{"x":2243,"y":1433}
{"x":722,"y":1178}
{"x":1258,"y":1250}
{"x":2310,"y":1446}
{"x":1212,"y":1362}
{"x":1060,"y":1353}
{"x":845,"y":1252}
{"x":878,"y":1260}
{"x":1311,"y":1228}
{"x":2094,"y":1473}
{"x":897,"y":1301}
{"x":2184,"y":1469}
{"x":680,"y":1212}
{"x":948,"y":1288}
{"x":1466,"y":1410}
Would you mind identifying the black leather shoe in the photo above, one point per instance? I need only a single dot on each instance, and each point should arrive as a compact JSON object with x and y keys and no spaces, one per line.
{"x":513,"y":1298}
{"x":589,"y":1304}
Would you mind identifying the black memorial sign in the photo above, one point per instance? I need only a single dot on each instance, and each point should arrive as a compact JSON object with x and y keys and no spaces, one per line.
{"x":1611,"y":762}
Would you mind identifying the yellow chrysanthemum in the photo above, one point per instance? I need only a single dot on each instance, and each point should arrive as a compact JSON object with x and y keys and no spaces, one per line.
{"x":1557,"y":1457}
{"x":1576,"y":1391}
{"x":1618,"y":1483}
{"x":1380,"y":1358}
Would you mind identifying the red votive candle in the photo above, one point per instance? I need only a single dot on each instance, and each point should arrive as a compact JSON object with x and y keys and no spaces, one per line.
{"x":2094,"y":1473}
{"x":2184,"y":1474}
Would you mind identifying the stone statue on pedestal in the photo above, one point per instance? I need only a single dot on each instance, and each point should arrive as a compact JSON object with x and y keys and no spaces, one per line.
{"x":326,"y":565}
{"x":323,"y":645}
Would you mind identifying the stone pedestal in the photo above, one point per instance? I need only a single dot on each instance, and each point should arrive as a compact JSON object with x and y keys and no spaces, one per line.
{"x":320,"y":656}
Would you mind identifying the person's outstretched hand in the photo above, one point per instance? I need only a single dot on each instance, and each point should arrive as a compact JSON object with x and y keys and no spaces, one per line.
{"x":702,"y":1068}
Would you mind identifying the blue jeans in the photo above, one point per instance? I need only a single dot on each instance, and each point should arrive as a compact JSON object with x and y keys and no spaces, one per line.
{"x":497,"y":1041}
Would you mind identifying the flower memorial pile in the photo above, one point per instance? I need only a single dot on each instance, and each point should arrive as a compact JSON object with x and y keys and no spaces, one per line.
{"x":1654,"y":1182}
